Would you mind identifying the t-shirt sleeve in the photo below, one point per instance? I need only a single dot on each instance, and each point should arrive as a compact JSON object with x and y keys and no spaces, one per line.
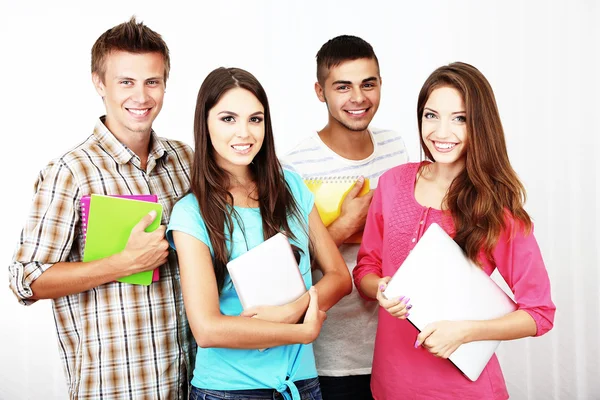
{"x":519,"y":261}
{"x":288,"y":165}
{"x":186,"y":218}
{"x":304,"y":197}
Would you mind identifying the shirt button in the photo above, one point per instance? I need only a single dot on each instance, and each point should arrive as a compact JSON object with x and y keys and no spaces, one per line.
{"x":421,"y":222}
{"x":414,"y":240}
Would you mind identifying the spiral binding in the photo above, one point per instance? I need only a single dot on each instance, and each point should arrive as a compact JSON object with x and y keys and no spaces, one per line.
{"x":332,"y":179}
{"x":84,"y":217}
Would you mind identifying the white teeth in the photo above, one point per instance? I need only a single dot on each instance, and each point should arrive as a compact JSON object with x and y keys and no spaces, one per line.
{"x":356,"y":112}
{"x":444,"y":145}
{"x":139,"y":112}
{"x":241,"y":148}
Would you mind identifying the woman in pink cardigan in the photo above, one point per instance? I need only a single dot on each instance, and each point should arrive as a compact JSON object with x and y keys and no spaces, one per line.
{"x":468,"y":187}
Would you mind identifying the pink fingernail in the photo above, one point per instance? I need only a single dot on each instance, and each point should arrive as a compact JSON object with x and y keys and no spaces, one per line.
{"x":417,"y":344}
{"x":407,"y":314}
{"x":381,"y":287}
{"x":400,"y":298}
{"x":406,"y":300}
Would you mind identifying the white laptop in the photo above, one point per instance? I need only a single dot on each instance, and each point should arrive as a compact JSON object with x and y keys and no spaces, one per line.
{"x":443,"y":284}
{"x":267,"y":275}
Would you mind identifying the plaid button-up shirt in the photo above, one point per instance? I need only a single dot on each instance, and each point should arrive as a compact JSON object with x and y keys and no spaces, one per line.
{"x":117,"y":341}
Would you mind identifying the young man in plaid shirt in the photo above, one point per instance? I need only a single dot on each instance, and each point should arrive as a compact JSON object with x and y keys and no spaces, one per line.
{"x":116,"y":340}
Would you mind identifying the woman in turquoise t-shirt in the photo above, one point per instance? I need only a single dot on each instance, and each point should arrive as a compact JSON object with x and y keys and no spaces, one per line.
{"x":240,"y":196}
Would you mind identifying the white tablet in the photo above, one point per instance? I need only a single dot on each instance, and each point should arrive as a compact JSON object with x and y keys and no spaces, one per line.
{"x":443,"y":284}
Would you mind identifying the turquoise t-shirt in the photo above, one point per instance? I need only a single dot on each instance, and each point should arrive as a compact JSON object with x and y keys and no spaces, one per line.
{"x":240,"y":369}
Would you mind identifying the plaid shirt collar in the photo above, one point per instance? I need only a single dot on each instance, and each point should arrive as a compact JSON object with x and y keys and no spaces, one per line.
{"x":123,"y":154}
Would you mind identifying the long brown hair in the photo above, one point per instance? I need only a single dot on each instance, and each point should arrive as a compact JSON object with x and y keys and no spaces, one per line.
{"x":210,"y":183}
{"x":488,"y":186}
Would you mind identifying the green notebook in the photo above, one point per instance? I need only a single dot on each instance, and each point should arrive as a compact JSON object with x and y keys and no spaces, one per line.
{"x":109,"y":225}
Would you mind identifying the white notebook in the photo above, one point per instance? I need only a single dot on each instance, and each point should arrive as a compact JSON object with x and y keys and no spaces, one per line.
{"x":443,"y":284}
{"x":267,"y":275}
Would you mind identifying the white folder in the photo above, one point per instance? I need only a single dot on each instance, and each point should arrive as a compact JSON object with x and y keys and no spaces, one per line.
{"x":443,"y":284}
{"x":267,"y":275}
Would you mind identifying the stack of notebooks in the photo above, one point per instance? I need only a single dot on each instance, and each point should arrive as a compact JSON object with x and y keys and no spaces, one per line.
{"x":107,"y":222}
{"x":329,"y":193}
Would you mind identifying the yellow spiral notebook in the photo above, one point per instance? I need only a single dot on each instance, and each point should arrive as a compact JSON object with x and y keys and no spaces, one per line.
{"x":329,"y":193}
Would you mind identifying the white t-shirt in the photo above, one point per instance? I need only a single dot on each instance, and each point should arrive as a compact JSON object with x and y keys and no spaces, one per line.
{"x":345,"y":345}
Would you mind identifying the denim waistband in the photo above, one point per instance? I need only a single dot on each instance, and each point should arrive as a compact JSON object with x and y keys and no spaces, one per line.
{"x":302,"y":385}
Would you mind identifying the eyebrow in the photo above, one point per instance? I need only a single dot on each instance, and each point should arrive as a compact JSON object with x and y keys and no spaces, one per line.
{"x":456,"y":112}
{"x":236,"y":115}
{"x":127,"y":78}
{"x":369,"y":79}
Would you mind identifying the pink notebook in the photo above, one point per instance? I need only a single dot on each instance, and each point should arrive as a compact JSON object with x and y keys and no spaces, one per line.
{"x":85,"y":211}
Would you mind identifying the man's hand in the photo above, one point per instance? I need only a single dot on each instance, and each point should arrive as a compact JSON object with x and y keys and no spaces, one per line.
{"x":353,"y":214}
{"x":145,"y":250}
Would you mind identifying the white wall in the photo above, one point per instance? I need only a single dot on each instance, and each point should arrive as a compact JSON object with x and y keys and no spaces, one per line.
{"x":541,"y":58}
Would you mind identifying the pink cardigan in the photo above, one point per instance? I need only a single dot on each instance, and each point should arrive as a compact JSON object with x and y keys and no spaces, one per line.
{"x":394,"y":224}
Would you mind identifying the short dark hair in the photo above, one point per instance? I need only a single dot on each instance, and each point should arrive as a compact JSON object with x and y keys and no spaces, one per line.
{"x":339,"y":49}
{"x":132,"y":37}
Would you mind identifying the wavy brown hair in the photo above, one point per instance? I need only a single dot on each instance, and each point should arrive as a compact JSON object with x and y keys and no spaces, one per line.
{"x":488,"y":187}
{"x":210,"y":183}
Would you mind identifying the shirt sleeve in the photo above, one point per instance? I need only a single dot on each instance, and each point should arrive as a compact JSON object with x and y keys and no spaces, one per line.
{"x":404,"y":156}
{"x":300,"y":191}
{"x":49,"y":231}
{"x":288,"y":165}
{"x":186,"y":218}
{"x":519,"y":261}
{"x":369,"y":258}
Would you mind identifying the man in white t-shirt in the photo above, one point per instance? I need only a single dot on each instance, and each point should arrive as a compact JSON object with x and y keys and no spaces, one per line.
{"x":349,"y":83}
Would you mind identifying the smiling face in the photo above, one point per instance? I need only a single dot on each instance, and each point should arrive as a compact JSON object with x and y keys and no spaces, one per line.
{"x":444,"y":127}
{"x":352,"y":92}
{"x":236,"y":128}
{"x":133,"y":89}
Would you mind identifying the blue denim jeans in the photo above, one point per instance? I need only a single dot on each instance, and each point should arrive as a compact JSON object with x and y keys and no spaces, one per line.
{"x":308,"y":388}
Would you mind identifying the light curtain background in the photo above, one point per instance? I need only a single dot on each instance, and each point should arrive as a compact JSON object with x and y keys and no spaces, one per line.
{"x":541,"y":58}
